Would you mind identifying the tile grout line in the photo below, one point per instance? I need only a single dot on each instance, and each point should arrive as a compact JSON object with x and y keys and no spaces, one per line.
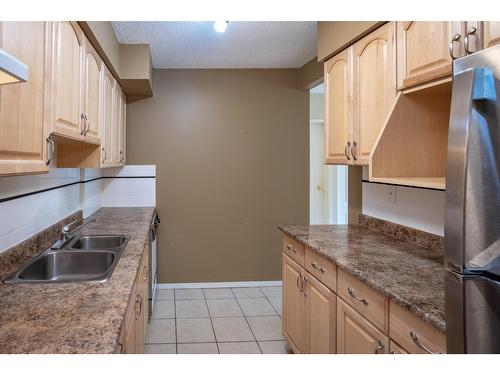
{"x":246,"y":320}
{"x":268,"y":300}
{"x":210,"y":318}
{"x":175,"y":321}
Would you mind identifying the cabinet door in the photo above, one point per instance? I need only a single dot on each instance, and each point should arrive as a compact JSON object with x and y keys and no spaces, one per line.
{"x":108,"y":92}
{"x":491,"y":34}
{"x":338,"y":114}
{"x":122,"y":129}
{"x":396,"y":349}
{"x":92,"y":87}
{"x":117,"y":123}
{"x":66,"y":79}
{"x":23,"y":131}
{"x":130,"y":342}
{"x":320,"y":317}
{"x":374,"y":77}
{"x":355,"y":335}
{"x":294,"y":323}
{"x":423,"y":53}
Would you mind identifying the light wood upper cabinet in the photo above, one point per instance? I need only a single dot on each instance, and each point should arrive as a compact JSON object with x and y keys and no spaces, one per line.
{"x":23,"y":131}
{"x":491,"y":34}
{"x":321,"y":317}
{"x":355,"y":335}
{"x":338,"y":113}
{"x":119,"y":110}
{"x":423,"y":50}
{"x":66,"y":78}
{"x":123,"y":130}
{"x":294,"y":326}
{"x":108,"y":95}
{"x":374,"y":72}
{"x":92,"y":86}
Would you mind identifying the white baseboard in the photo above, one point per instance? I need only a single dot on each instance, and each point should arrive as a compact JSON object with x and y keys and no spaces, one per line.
{"x":236,"y":284}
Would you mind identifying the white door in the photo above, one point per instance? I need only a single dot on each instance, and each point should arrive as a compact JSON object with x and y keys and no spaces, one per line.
{"x":316,"y":173}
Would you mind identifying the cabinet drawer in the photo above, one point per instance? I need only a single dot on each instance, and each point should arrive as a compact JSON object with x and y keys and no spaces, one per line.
{"x":294,"y":250}
{"x":413,"y":334}
{"x":370,"y":303}
{"x":323,"y":269}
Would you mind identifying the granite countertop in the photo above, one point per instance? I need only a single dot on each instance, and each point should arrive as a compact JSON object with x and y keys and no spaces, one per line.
{"x":411,"y":275}
{"x":76,"y":317}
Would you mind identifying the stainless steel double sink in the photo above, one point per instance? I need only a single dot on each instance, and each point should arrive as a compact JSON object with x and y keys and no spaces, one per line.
{"x":84,"y":259}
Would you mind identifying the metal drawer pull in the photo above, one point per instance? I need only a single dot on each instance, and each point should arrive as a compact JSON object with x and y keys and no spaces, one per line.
{"x":380,"y":346}
{"x":417,"y":342}
{"x":290,"y":247}
{"x":455,"y":38}
{"x":351,"y":293}
{"x":299,"y":278}
{"x":471,"y":31}
{"x":316,"y":267}
{"x":346,"y":150}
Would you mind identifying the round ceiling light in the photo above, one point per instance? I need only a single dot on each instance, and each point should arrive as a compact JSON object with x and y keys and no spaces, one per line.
{"x":220,"y":26}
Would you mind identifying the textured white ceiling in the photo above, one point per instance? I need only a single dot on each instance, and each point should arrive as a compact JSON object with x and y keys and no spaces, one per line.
{"x":243,"y":45}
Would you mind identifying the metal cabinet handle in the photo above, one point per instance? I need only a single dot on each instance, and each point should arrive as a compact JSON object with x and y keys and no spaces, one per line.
{"x":138,"y":300}
{"x":455,"y":38}
{"x":471,"y":31}
{"x":347,"y":150}
{"x":417,"y":342}
{"x":299,"y":282}
{"x":120,"y":346}
{"x":104,"y":156}
{"x":87,"y":128}
{"x":51,"y":148}
{"x":351,"y":293}
{"x":121,"y":159}
{"x":83,"y":117}
{"x":380,"y":346}
{"x":354,"y":150}
{"x":316,"y":267}
{"x":290,"y":247}
{"x":304,"y":282}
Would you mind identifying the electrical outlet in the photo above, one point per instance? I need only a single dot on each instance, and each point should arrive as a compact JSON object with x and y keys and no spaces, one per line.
{"x":391,"y":193}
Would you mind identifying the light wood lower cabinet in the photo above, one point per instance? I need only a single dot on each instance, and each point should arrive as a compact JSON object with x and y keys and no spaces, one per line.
{"x":134,"y":331}
{"x":353,"y":318}
{"x":491,"y":34}
{"x":23,"y":131}
{"x":356,"y":335}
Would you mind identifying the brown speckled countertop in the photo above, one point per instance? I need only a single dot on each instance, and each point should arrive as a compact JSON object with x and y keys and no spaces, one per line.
{"x":76,"y":317}
{"x":411,"y":275}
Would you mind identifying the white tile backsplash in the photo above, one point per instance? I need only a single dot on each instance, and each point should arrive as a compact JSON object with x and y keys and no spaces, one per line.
{"x":23,"y":217}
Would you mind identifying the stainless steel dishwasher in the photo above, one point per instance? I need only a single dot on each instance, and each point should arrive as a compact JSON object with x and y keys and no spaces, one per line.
{"x":153,"y":261}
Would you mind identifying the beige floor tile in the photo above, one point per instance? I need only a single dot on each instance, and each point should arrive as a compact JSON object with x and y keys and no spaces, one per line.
{"x":272,"y":291}
{"x":247,"y":292}
{"x":256,"y":306}
{"x":277,"y":304}
{"x":189,"y":294}
{"x":274,"y":347}
{"x":194,"y":330}
{"x":198,"y":348}
{"x":266,"y":327}
{"x":239,"y":348}
{"x":163,"y":310}
{"x":164,"y":294}
{"x":220,"y":308}
{"x":232,"y":329}
{"x":159,"y":349}
{"x":160,"y":331}
{"x":218,"y":293}
{"x":196,"y":308}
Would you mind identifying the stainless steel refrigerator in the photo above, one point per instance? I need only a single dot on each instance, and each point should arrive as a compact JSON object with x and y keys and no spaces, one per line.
{"x":472,"y":214}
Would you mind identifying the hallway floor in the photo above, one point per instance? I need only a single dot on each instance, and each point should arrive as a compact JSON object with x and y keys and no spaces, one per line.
{"x":219,"y":320}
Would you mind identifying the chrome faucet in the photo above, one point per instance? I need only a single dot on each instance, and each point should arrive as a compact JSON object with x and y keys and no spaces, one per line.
{"x":66,"y":234}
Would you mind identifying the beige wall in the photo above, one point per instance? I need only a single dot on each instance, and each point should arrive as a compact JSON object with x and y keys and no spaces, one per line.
{"x":231,"y":149}
{"x":310,"y":74}
{"x":106,"y":37}
{"x":336,"y":35}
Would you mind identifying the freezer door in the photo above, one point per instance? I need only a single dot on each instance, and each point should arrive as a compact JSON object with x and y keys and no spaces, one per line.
{"x":472,"y":215}
{"x":472,"y":314}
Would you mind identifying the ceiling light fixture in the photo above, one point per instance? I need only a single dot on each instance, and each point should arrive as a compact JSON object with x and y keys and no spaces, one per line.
{"x":220,"y":26}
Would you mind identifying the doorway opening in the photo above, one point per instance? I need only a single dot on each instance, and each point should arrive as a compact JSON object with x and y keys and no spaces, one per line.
{"x":327,"y":183}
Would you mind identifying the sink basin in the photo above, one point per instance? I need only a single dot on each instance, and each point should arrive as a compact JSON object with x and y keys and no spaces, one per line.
{"x":87,"y":258}
{"x":100,"y":242}
{"x":69,"y":266}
